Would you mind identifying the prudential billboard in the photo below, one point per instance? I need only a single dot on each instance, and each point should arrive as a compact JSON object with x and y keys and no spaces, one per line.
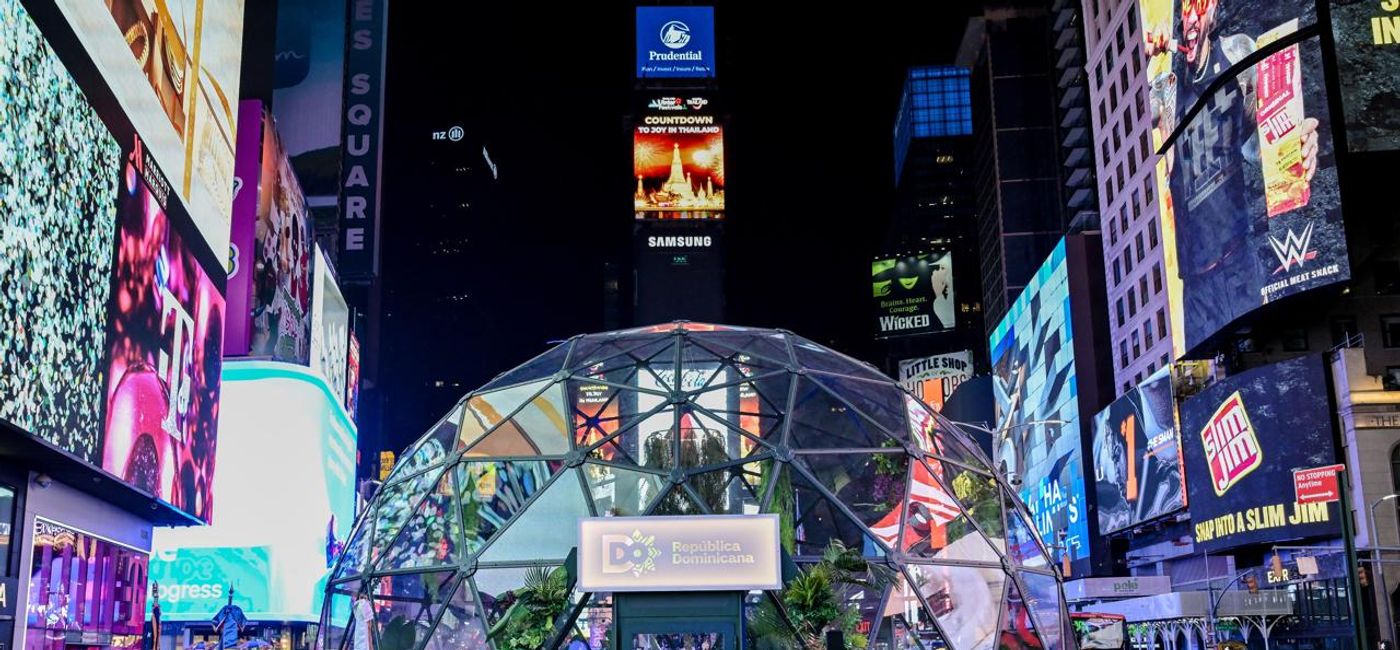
{"x":675,"y":42}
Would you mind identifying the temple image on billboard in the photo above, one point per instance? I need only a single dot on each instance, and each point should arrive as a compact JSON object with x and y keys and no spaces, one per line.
{"x":679,"y":172}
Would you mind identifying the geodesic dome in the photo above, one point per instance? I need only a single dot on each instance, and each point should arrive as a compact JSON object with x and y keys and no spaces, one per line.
{"x":692,"y":419}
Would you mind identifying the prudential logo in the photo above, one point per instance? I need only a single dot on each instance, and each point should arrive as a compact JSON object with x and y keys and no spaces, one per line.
{"x":675,"y":34}
{"x":635,"y":554}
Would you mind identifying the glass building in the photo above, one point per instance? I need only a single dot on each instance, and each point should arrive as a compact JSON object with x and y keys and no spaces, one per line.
{"x":467,"y":544}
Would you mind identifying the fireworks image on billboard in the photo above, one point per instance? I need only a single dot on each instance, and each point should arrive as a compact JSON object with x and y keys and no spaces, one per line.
{"x":679,"y":168}
{"x":58,"y":188}
{"x":1137,"y":456}
{"x":166,"y":351}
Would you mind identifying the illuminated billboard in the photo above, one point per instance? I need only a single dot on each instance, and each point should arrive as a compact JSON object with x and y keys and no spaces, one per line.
{"x":675,"y":42}
{"x":164,"y":356}
{"x":933,"y":379}
{"x":174,"y":68}
{"x":75,"y":575}
{"x":678,"y":162}
{"x":913,"y":294}
{"x":1367,"y":37}
{"x":1137,"y":456}
{"x":330,"y":323}
{"x":57,"y":223}
{"x":281,"y":277}
{"x":309,"y":80}
{"x":1251,"y":207}
{"x":1037,"y":407}
{"x":1242,"y":437}
{"x":273,"y":541}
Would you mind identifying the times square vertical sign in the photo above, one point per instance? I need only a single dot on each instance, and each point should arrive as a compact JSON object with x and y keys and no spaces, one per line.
{"x":364,"y":136}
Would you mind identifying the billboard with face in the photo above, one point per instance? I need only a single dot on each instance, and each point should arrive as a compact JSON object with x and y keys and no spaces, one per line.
{"x":57,"y":222}
{"x":282,"y":268}
{"x":330,"y":322}
{"x":913,"y":294}
{"x":675,"y":42}
{"x":1137,"y":456}
{"x":1242,"y":438}
{"x":1037,"y":407}
{"x":164,"y":355}
{"x":933,"y":379}
{"x":678,"y":161}
{"x":174,"y":67}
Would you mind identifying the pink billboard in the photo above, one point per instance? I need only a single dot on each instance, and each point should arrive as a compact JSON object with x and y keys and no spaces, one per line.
{"x":247,"y":173}
{"x":165,"y":356}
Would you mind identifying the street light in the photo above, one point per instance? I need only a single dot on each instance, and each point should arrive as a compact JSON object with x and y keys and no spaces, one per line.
{"x":1378,"y":567}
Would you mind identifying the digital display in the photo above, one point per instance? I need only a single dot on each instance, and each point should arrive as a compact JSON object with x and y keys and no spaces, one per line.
{"x":675,"y":42}
{"x":242,"y":246}
{"x":281,"y":275}
{"x":1242,"y":437}
{"x":330,"y":322}
{"x":1367,"y":37}
{"x":913,"y":294}
{"x":1137,"y":456}
{"x":73,"y":575}
{"x":309,"y":78}
{"x":1249,"y":186}
{"x":58,"y":217}
{"x":273,"y":541}
{"x":1037,"y":408}
{"x":164,"y":356}
{"x":678,"y":161}
{"x":352,"y":375}
{"x":174,"y":67}
{"x":933,"y":379}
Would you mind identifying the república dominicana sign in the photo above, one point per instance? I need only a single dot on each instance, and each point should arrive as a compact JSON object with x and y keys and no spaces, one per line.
{"x":691,"y":553}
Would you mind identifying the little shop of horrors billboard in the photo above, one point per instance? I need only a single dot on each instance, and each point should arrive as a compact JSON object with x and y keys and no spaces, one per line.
{"x":1242,"y":439}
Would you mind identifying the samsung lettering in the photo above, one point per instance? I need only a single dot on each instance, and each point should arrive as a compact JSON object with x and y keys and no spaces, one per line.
{"x":679,"y":242}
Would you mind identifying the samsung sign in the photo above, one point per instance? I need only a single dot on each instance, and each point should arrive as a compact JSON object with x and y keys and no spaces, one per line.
{"x":675,"y":42}
{"x":691,"y":553}
{"x":681,"y":241}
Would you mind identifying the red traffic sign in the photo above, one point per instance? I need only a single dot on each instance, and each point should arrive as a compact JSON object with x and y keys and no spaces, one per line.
{"x":1317,"y":485}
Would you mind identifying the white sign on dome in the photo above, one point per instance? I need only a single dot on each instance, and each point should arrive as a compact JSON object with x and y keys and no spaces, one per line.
{"x":688,"y":553}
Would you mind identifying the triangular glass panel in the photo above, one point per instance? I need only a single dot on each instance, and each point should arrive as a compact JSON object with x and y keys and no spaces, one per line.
{"x":882,"y":402}
{"x":966,"y":601}
{"x":620,"y":492}
{"x":1018,"y":631}
{"x":977,"y":493}
{"x":733,"y":490}
{"x":934,"y":434}
{"x":394,"y":505}
{"x":461,"y":626}
{"x":872,"y":485}
{"x":677,"y":502}
{"x":766,"y":627}
{"x":595,"y":622}
{"x":652,"y":441}
{"x":335,"y":621}
{"x":507,"y":441}
{"x":406,"y":606}
{"x":905,"y":622}
{"x":817,"y":521}
{"x":706,"y":439}
{"x":541,"y":367}
{"x":935,"y":524}
{"x":542,"y":421}
{"x":485,"y":411}
{"x":700,"y":369}
{"x":1023,"y":546}
{"x":355,"y":558}
{"x":820,"y":421}
{"x":494,"y":492}
{"x":499,"y":588}
{"x":762,"y":352}
{"x":815,"y":357}
{"x":612,"y":351}
{"x":557,"y":509}
{"x":1043,"y":599}
{"x":432,"y":449}
{"x":430,"y":537}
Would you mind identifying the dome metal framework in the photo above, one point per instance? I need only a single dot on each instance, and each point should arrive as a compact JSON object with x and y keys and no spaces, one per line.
{"x":690,"y":418}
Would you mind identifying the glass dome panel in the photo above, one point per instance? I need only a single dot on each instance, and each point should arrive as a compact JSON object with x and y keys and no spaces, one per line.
{"x":492,"y":493}
{"x":547,"y":528}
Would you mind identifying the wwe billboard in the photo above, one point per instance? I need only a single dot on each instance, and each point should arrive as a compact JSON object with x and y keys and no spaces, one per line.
{"x":1242,"y":438}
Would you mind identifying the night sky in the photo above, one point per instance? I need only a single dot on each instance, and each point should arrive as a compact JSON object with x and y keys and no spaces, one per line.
{"x":811,"y":93}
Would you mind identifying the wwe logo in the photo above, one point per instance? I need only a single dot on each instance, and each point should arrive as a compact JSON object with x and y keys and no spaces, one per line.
{"x":1293,"y":250}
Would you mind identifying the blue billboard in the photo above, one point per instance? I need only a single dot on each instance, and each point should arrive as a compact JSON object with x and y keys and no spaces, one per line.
{"x":1037,"y":436}
{"x":287,"y":501}
{"x":675,"y":42}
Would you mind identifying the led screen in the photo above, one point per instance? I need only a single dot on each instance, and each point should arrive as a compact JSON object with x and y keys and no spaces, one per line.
{"x":1137,"y":456}
{"x":174,"y":67}
{"x":1367,"y":37}
{"x":1037,"y":407}
{"x":74,"y":575}
{"x":164,"y":355}
{"x":309,"y":80}
{"x":675,"y":42}
{"x":678,"y":161}
{"x":330,"y":320}
{"x":1242,"y":437}
{"x":281,"y":277}
{"x":933,"y":379}
{"x":273,"y":540}
{"x":913,"y":294}
{"x":58,"y":189}
{"x":352,"y":375}
{"x":242,"y":247}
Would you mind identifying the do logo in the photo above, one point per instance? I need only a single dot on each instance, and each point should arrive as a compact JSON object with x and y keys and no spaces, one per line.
{"x":675,"y":34}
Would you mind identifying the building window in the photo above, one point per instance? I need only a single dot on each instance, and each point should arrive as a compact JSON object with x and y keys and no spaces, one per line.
{"x":1387,"y":277}
{"x":1132,"y":310}
{"x":1161,"y":323}
{"x":1147,"y":335}
{"x":1141,"y":250}
{"x":1344,"y":329}
{"x":1127,"y":261}
{"x":1295,"y":339}
{"x":1123,"y":353}
{"x":1145,"y":142}
{"x":1117,"y":272}
{"x":1147,"y":186}
{"x":1165,"y":360}
{"x":7,"y":530}
{"x":1123,"y":222}
{"x":1395,"y":469}
{"x":1390,"y":330}
{"x":1120,"y":312}
{"x":1112,"y":232}
{"x":1142,"y":290}
{"x":1391,"y":379}
{"x":1137,"y":346}
{"x":1152,"y":232}
{"x":1151,"y":368}
{"x":1157,"y":278}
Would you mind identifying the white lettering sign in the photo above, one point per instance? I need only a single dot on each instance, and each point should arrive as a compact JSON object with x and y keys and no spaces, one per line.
{"x":695,"y":553}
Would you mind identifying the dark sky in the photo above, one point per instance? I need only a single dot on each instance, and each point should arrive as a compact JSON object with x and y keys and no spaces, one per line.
{"x":811,"y":93}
